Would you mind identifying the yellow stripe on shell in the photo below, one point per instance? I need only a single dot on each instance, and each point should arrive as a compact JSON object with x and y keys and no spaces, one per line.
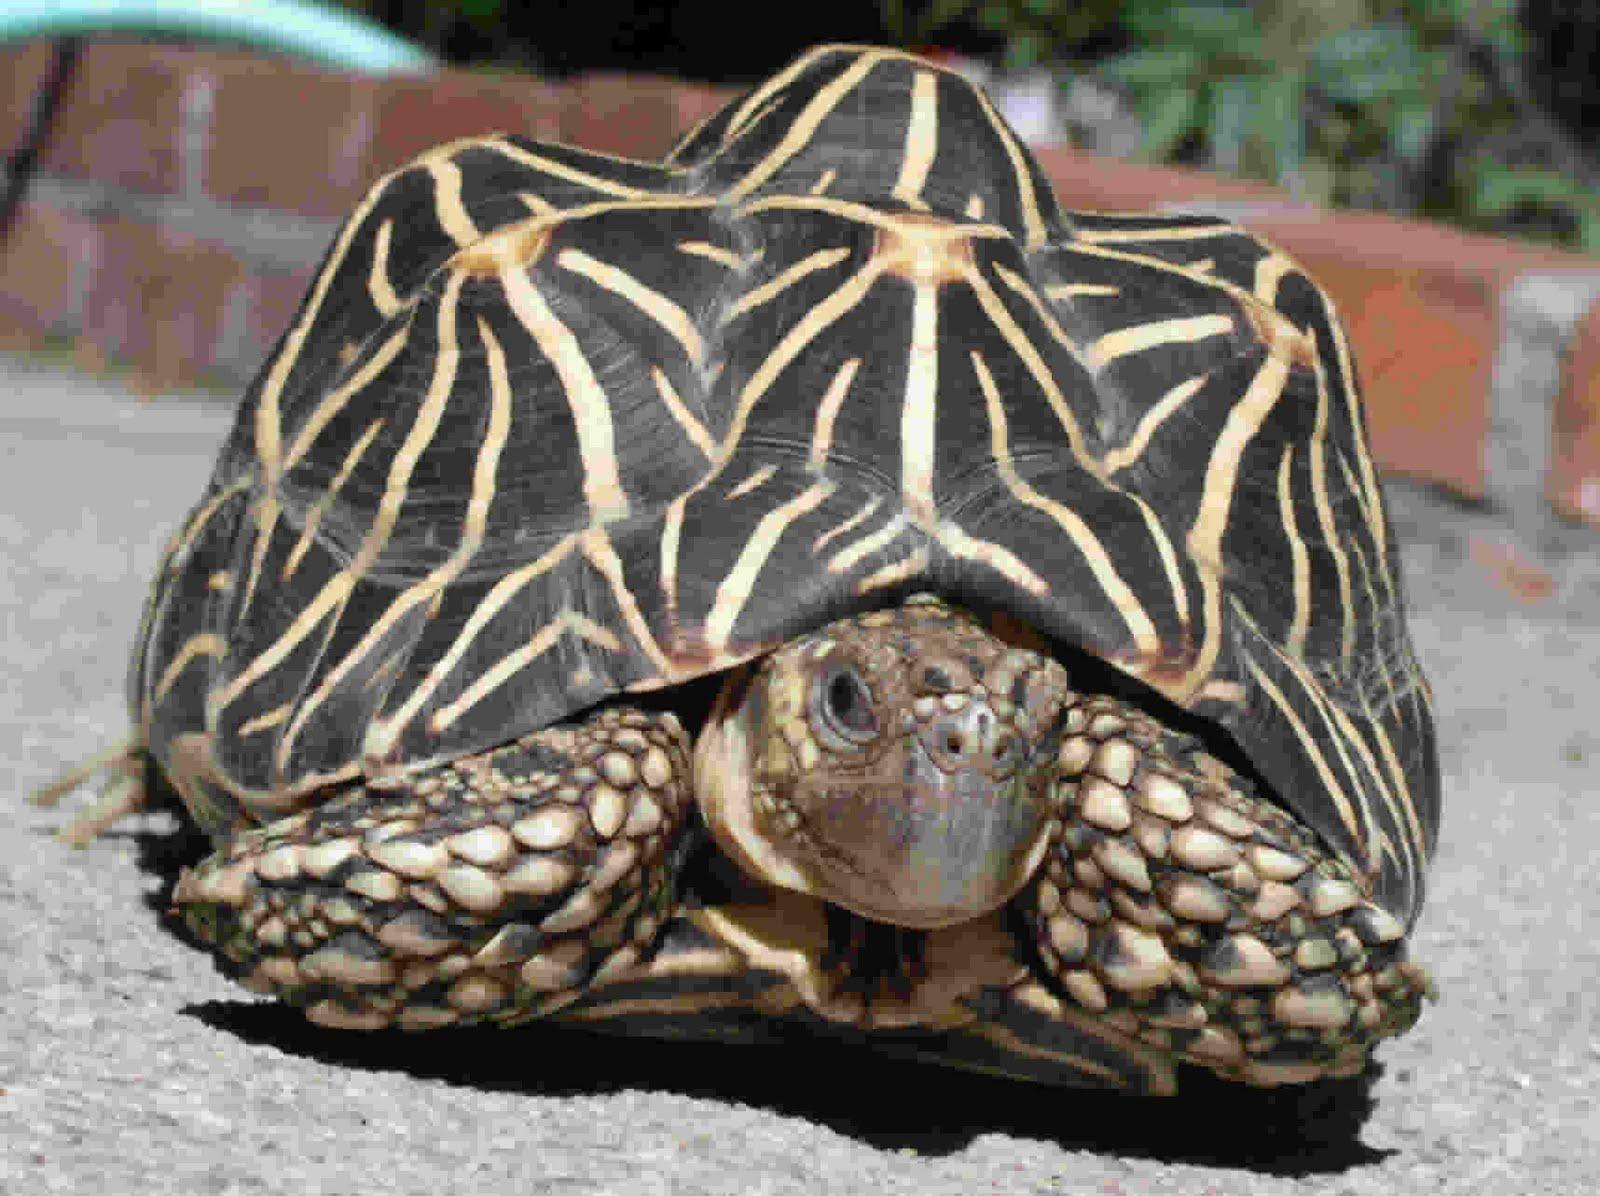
{"x":778,"y":284}
{"x":960,"y":543}
{"x":919,"y":404}
{"x":798,"y":135}
{"x":1168,"y":553}
{"x":538,"y":206}
{"x":1189,"y":232}
{"x":265,"y":721}
{"x":196,"y":646}
{"x":922,"y":140}
{"x":474,"y":525}
{"x":816,"y":321}
{"x":757,"y":478}
{"x":1025,"y":291}
{"x":1042,"y":375}
{"x":339,"y":397}
{"x":598,"y":550}
{"x":1154,"y":334}
{"x":660,"y":308}
{"x":827,"y":412}
{"x":1204,"y":539}
{"x":453,"y":216}
{"x":693,"y":429}
{"x":878,"y":218}
{"x":571,"y":174}
{"x":849,"y":557}
{"x":1332,"y":537}
{"x":337,"y":589}
{"x":586,"y":399}
{"x":1068,"y":291}
{"x":379,"y":288}
{"x":1034,"y":231}
{"x":1299,"y":560}
{"x":858,"y":517}
{"x":712,"y":253}
{"x":494,"y":676}
{"x":382,"y":734}
{"x":735,"y":589}
{"x":1150,"y":421}
{"x":319,"y":508}
{"x":1147,"y":642}
{"x":1417,"y":843}
{"x":769,"y":88}
{"x":893,"y":574}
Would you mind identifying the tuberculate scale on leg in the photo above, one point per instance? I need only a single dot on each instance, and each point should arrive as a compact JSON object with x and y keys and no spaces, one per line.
{"x":1189,"y":910}
{"x":491,"y":889}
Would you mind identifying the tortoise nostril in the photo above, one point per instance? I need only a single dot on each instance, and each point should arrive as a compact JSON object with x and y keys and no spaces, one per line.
{"x":971,"y":738}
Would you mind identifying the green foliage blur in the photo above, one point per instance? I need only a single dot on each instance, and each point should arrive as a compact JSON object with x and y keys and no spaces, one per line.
{"x":1413,"y":106}
{"x":1418,"y":106}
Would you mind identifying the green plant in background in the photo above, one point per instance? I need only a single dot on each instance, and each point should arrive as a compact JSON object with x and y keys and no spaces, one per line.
{"x":1409,"y":105}
{"x":1414,"y":104}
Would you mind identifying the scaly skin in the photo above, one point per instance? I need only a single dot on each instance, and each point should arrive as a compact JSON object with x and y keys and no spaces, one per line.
{"x":1182,"y":908}
{"x":494,"y":888}
{"x":1186,"y":916}
{"x":1174,"y":915}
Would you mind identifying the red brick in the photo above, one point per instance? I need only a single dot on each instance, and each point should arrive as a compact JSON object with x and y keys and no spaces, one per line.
{"x":273,"y":297}
{"x":159,"y":300}
{"x":417,"y":114}
{"x":1422,"y":305}
{"x":1424,"y":346}
{"x":1573,"y":486}
{"x":22,"y":71}
{"x":320,"y":167}
{"x":696,"y":102}
{"x":45,"y":266}
{"x":1095,"y":183}
{"x":121,"y":119}
{"x":631,"y":116}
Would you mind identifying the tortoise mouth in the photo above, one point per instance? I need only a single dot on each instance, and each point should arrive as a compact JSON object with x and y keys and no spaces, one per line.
{"x":938,"y":846}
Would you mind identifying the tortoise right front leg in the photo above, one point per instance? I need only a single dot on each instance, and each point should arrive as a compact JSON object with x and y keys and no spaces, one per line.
{"x":1192,"y":916}
{"x":496,"y":887}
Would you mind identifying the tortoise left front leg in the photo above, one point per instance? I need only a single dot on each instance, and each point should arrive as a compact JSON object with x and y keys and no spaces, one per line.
{"x":494,"y":888}
{"x":1195,"y":918}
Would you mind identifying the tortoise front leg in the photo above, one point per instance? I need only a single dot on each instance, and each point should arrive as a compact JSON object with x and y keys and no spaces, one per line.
{"x":494,"y":887}
{"x":1188,"y":913}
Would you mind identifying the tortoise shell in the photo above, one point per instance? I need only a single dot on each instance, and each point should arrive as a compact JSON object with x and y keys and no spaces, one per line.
{"x":552,"y":426}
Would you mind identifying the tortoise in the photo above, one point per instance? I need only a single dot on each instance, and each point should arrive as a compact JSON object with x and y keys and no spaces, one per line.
{"x":814,"y":582}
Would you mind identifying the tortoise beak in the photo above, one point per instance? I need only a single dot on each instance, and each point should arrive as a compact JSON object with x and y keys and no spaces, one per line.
{"x":955,"y":835}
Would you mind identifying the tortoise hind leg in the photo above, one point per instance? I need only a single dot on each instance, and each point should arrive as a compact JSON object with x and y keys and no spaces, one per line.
{"x":1190,"y":914}
{"x":492,"y":888}
{"x":124,"y":793}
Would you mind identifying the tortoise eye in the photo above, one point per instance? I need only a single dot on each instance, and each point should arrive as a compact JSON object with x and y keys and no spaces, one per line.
{"x":841,"y":708}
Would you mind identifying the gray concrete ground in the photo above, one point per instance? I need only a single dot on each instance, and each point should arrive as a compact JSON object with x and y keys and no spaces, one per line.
{"x":128,"y":1065}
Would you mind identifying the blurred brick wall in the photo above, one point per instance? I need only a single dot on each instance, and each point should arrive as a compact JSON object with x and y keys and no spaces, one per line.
{"x":184,"y":197}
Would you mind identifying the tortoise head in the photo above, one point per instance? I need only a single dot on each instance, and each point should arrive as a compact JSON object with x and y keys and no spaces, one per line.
{"x":897,"y":764}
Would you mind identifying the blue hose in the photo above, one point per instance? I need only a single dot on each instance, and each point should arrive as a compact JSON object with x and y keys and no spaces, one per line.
{"x":293,"y":27}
